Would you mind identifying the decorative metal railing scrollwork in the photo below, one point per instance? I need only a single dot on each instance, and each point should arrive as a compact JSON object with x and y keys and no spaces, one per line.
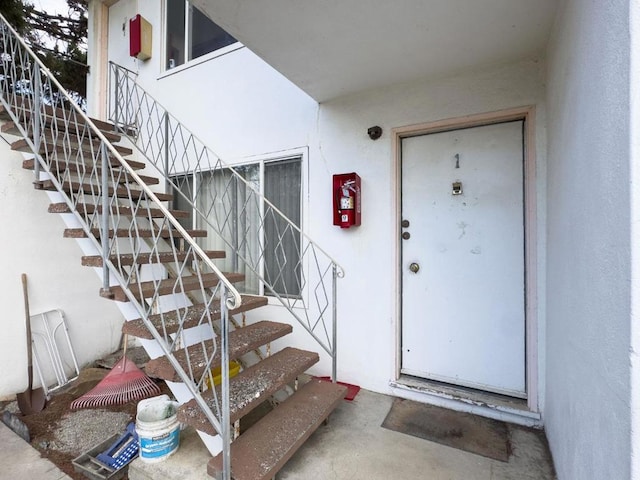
{"x":260,"y":240}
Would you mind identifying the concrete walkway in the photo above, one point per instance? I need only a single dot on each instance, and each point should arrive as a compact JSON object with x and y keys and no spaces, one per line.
{"x":355,"y":447}
{"x":352,"y":447}
{"x":18,"y":459}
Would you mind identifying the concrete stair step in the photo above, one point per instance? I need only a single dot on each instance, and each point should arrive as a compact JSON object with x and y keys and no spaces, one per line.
{"x":61,"y":165}
{"x":125,"y":232}
{"x":120,"y":192}
{"x":63,"y":120}
{"x":90,"y":149}
{"x":147,"y":258}
{"x":86,"y":139}
{"x":88,"y":209}
{"x":260,"y":452}
{"x":89,"y":188}
{"x":10,"y":128}
{"x":92,"y":170}
{"x":143,"y":290}
{"x":251,"y":387}
{"x":189,"y":318}
{"x":241,"y":341}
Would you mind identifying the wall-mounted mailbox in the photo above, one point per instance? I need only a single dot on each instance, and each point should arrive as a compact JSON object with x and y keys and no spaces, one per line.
{"x":140,"y":38}
{"x":346,"y":200}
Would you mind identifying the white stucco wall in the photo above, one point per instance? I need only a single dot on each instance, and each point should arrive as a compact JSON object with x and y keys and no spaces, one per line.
{"x":32,"y":243}
{"x":369,"y":328}
{"x":237,"y":102}
{"x":634,"y":81}
{"x":588,"y":277}
{"x":242,"y":108}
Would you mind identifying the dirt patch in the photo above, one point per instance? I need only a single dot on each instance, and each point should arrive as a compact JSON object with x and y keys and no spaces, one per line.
{"x":61,"y":434}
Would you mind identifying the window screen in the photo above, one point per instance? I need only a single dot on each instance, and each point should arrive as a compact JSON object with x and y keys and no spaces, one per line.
{"x":282,"y":187}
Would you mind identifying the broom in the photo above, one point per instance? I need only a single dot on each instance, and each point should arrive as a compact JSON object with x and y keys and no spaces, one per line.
{"x":124,"y":383}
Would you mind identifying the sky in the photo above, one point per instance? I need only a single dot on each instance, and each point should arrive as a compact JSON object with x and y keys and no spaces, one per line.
{"x":51,"y":6}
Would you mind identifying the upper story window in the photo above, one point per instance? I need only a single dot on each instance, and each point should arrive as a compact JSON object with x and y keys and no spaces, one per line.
{"x":191,"y":34}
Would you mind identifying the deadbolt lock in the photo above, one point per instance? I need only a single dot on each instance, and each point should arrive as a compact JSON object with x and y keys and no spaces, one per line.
{"x":405,"y":223}
{"x":414,"y":267}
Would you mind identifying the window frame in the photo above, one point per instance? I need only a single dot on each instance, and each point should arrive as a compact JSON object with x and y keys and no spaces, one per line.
{"x":188,"y":63}
{"x":301,"y":154}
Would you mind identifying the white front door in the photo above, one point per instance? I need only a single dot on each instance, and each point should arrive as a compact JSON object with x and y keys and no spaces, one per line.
{"x":463,"y":279}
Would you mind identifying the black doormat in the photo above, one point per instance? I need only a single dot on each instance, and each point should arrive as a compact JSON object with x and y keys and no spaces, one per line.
{"x":479,"y":435}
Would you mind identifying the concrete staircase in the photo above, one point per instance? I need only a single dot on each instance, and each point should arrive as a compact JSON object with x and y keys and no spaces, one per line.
{"x":264,"y":448}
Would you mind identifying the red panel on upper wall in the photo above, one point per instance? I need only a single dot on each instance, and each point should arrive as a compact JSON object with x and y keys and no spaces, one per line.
{"x":139,"y":38}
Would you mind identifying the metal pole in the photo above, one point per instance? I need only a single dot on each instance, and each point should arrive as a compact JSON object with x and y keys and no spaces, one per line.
{"x":224,"y":356}
{"x":116,"y":99}
{"x":104,"y":234}
{"x":36,"y":122}
{"x":166,"y":153}
{"x":234,"y":225}
{"x":334,"y":321}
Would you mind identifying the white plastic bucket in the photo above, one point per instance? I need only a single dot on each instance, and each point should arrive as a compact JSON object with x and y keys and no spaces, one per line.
{"x":158,"y":428}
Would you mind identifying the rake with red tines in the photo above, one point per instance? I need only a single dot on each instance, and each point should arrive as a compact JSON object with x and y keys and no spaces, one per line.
{"x":123,"y":384}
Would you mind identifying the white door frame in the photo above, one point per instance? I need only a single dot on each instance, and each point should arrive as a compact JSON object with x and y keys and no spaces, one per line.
{"x":527,"y":114}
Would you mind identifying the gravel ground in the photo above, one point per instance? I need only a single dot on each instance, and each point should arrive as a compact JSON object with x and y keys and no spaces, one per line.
{"x":86,"y":428}
{"x":61,"y":434}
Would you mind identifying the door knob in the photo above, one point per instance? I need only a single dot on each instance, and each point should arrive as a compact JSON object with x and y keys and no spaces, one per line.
{"x":414,"y":267}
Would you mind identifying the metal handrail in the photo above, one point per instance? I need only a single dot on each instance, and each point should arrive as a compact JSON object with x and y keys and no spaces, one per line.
{"x":176,"y":152}
{"x":83,"y":165}
{"x":131,"y":134}
{"x":237,"y":300}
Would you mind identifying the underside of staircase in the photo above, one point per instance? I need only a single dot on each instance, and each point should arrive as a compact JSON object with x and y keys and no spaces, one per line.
{"x":260,"y":451}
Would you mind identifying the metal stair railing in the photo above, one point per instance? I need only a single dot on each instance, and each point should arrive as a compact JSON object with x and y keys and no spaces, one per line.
{"x":108,"y":198}
{"x":301,"y":275}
